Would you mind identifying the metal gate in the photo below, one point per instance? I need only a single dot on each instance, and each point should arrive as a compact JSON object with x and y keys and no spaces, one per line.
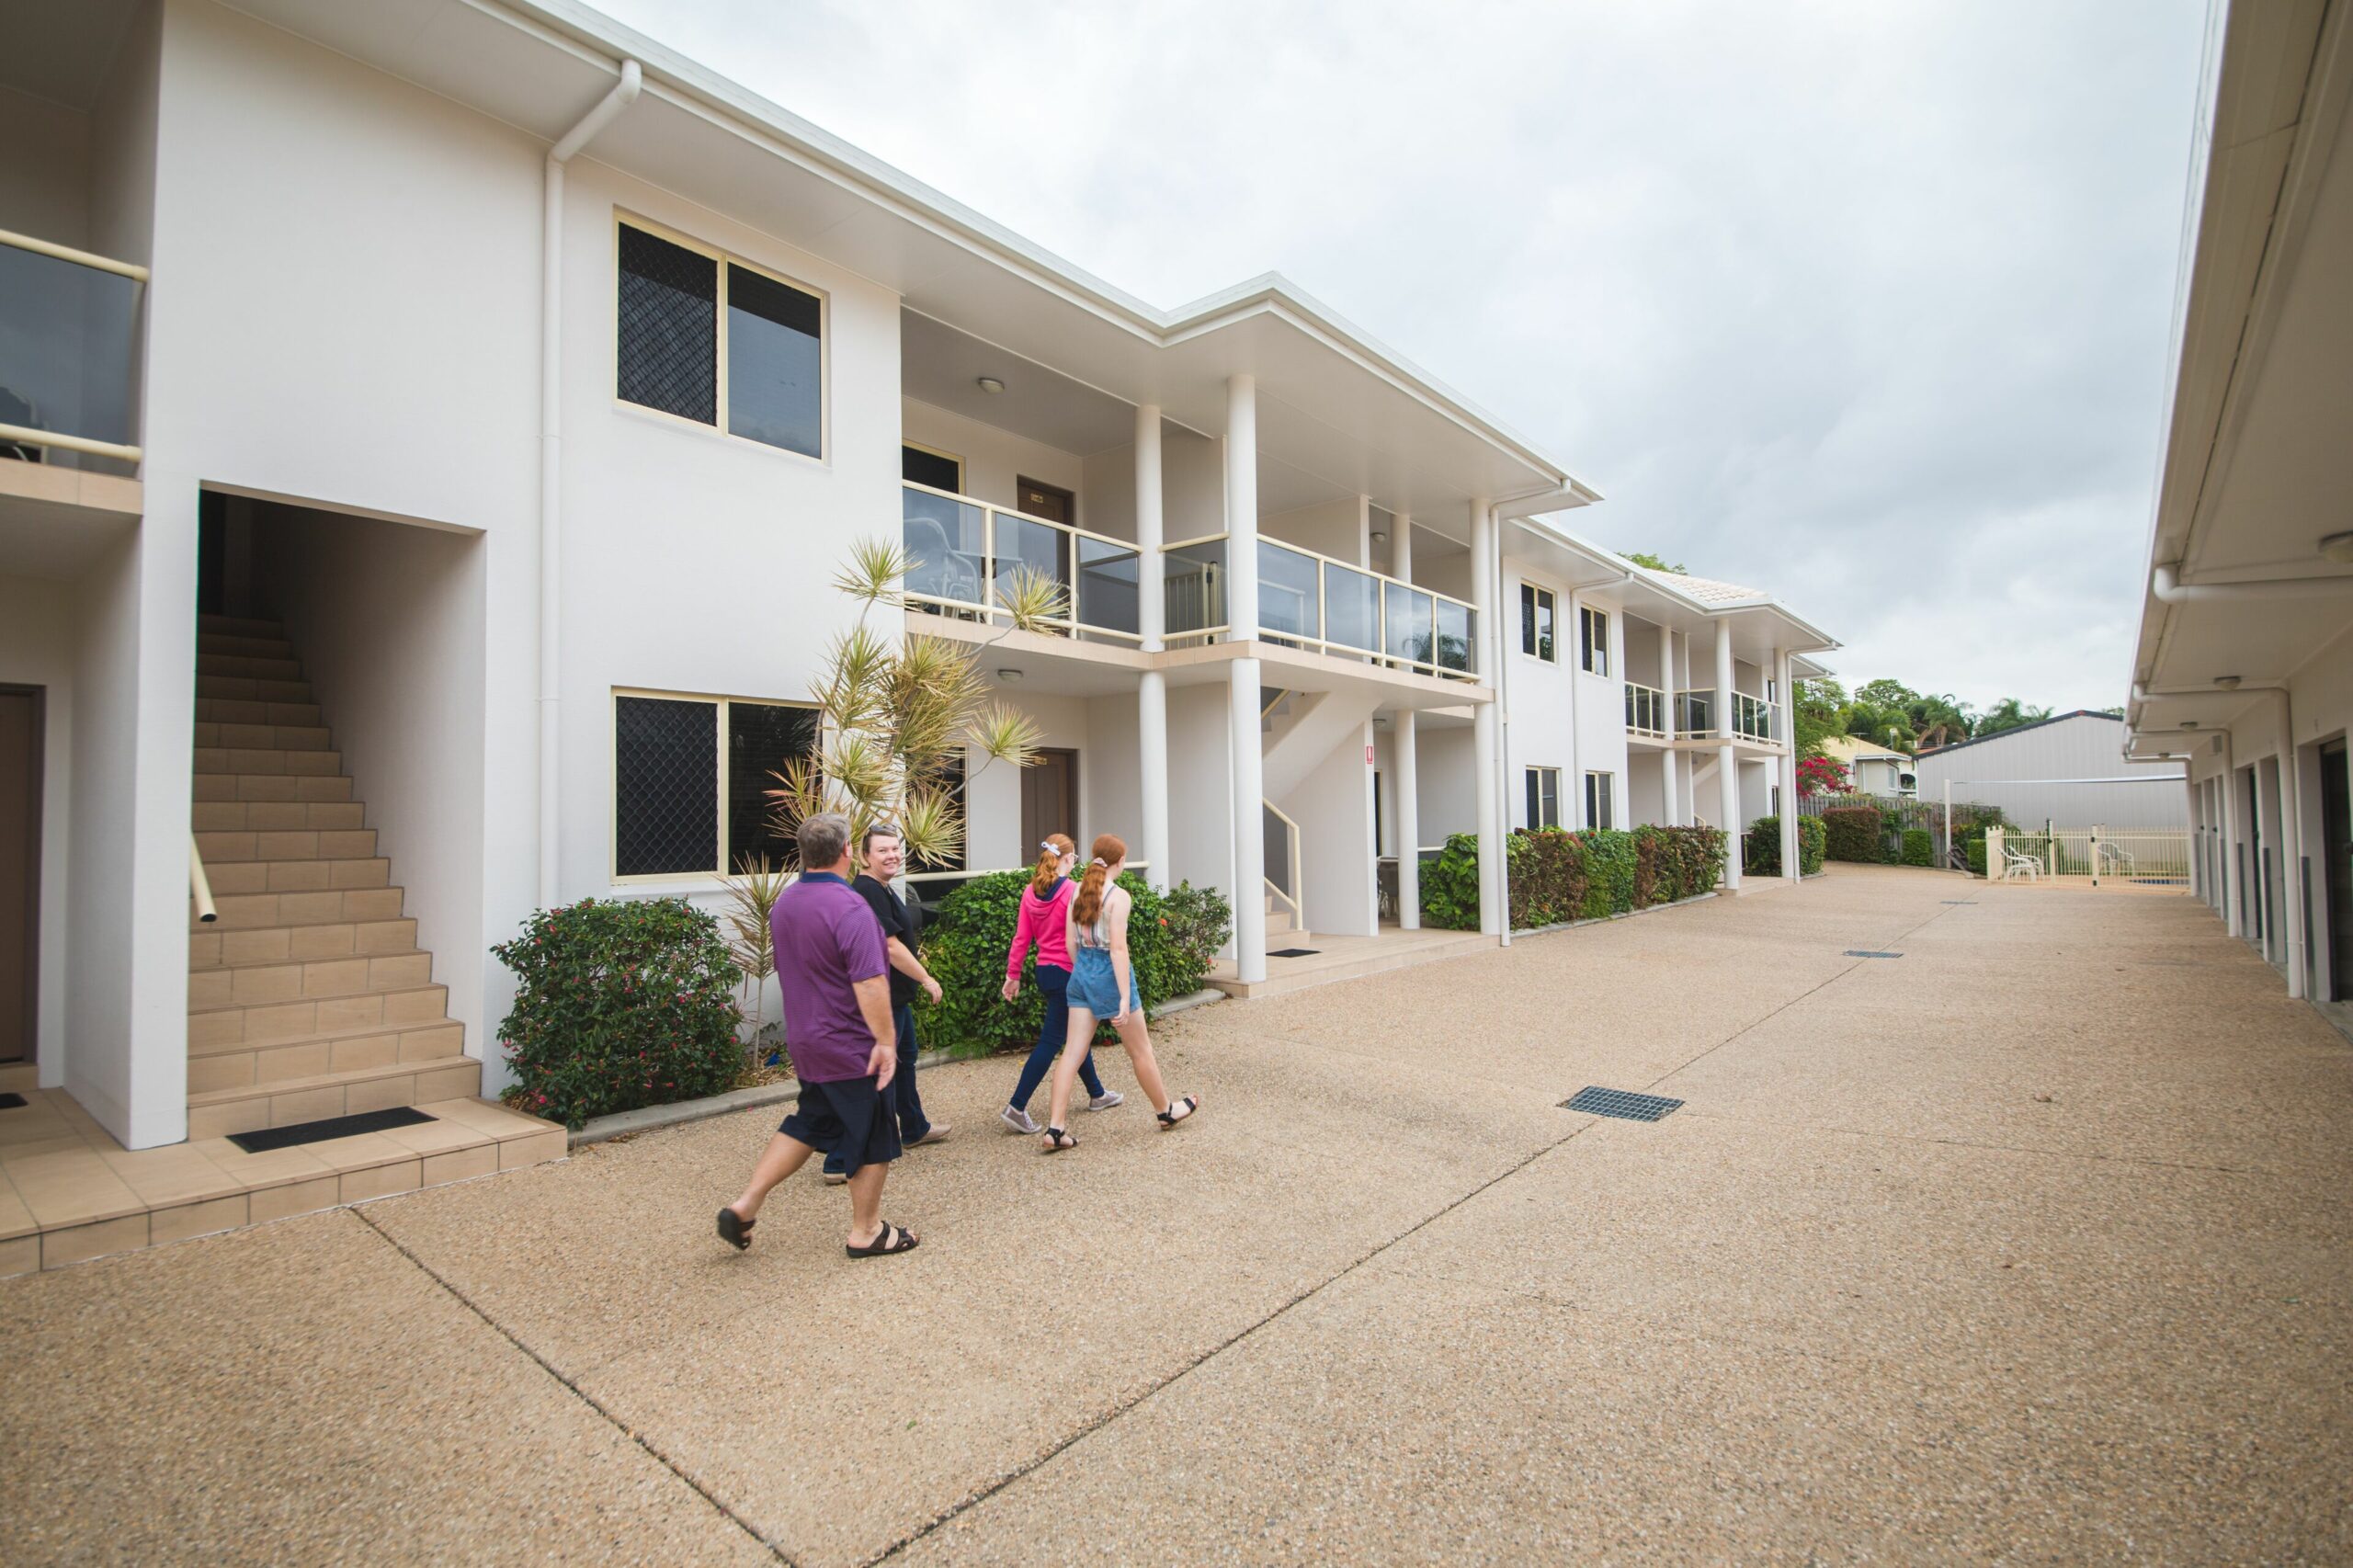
{"x":2151,"y":858}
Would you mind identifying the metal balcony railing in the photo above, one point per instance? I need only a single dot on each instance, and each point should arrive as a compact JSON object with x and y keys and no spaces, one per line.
{"x":964,"y":556}
{"x":1646,"y":711}
{"x":1312,"y":601}
{"x":69,"y":349}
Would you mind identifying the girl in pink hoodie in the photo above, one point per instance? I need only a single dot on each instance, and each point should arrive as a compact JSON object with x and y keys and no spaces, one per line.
{"x":1043,"y":907}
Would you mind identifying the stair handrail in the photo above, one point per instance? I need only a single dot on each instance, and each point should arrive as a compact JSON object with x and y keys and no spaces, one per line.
{"x":199,"y":886}
{"x":1291,"y":840}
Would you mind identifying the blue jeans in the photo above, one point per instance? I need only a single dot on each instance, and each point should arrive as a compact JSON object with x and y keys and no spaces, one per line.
{"x":904,"y":1101}
{"x":1051,"y":1034}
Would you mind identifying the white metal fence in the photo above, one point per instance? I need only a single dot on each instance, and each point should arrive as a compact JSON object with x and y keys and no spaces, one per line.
{"x":2091,"y":855}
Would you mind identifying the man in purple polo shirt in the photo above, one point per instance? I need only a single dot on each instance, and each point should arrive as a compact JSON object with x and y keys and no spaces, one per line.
{"x":831,"y":966}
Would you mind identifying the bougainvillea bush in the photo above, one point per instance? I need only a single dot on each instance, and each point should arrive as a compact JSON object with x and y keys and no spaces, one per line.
{"x":1173,"y":939}
{"x":1556,"y":876}
{"x":1823,"y":776}
{"x":618,"y":1004}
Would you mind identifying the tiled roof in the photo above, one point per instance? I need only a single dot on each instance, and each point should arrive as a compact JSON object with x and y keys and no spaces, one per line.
{"x":1705,"y":589}
{"x":1847,"y":748}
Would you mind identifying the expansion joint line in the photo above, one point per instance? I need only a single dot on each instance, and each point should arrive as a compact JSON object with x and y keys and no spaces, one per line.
{"x":583,"y":1395}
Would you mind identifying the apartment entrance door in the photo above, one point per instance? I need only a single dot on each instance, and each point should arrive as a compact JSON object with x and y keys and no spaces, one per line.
{"x":2336,"y":836}
{"x":1049,"y":802}
{"x":21,"y":715}
{"x":1051,"y":502}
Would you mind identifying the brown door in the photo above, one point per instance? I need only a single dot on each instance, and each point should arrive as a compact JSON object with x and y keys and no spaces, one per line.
{"x":1050,"y":801}
{"x":19,"y":866}
{"x":2336,"y":837}
{"x":1048,"y":501}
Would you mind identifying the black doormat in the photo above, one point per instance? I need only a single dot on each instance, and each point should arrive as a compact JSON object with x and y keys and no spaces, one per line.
{"x":332,"y":1127}
{"x":1294,"y":952}
{"x":11,"y":1101}
{"x":1868,"y":953}
{"x":1619,"y":1103}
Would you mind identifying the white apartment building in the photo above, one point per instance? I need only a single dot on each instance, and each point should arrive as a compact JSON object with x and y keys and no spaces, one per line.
{"x":2244,"y":665}
{"x":437,"y":425}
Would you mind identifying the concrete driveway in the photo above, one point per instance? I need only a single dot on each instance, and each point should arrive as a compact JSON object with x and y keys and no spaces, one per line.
{"x":2030,"y":1244}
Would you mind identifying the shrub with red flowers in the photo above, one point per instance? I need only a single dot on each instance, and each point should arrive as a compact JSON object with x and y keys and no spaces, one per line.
{"x":1823,"y":776}
{"x":618,"y":1004}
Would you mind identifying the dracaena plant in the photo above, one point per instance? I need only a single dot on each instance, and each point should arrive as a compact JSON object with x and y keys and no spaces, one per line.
{"x":897,"y":719}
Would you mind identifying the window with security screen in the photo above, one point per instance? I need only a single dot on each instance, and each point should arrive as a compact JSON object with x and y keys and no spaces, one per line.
{"x":691,"y":781}
{"x":705,"y":337}
{"x":761,"y":738}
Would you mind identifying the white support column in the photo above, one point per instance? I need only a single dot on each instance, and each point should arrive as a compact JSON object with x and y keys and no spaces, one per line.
{"x":1727,"y":769}
{"x":1242,"y":617}
{"x":1409,"y":761}
{"x":1152,"y":690}
{"x":2197,"y":832}
{"x":1787,"y":765}
{"x":1495,"y":905}
{"x":2233,"y":897}
{"x":2291,"y":842}
{"x":1671,"y":760}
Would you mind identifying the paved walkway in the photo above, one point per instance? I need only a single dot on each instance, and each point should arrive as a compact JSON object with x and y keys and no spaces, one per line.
{"x":2031,"y":1245}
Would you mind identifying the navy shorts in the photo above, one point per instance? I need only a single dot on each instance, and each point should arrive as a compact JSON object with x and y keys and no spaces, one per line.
{"x":847,"y":1117}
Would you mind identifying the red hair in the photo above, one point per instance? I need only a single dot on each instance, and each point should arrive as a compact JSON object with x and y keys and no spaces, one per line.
{"x":1050,"y":862}
{"x":1109,"y":851}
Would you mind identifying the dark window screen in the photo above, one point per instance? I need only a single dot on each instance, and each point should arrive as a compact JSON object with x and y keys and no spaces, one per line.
{"x":669,"y":327}
{"x":776,"y":364}
{"x":665,"y":786}
{"x":952,"y":782}
{"x":930,"y":468}
{"x":760,"y":737}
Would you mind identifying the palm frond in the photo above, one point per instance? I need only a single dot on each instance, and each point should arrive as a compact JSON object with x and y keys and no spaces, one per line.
{"x":931,"y":826}
{"x":1004,"y":734}
{"x":873,"y":572}
{"x":1033,"y":600}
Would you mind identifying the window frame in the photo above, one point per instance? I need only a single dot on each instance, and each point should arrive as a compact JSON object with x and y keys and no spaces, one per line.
{"x":612,"y":789}
{"x":1534,"y":595}
{"x":1607,"y":796}
{"x":1589,"y":649}
{"x":723,"y":259}
{"x":1532,"y":788}
{"x":963,"y":467}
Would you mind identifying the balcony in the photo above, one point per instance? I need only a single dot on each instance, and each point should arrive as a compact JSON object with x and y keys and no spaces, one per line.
{"x":1314,"y":602}
{"x":1753,"y":718}
{"x":965,"y":556}
{"x":69,"y":348}
{"x":1646,"y":713}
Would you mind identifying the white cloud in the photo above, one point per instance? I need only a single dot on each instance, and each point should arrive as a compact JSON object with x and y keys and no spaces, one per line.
{"x":1864,"y":302}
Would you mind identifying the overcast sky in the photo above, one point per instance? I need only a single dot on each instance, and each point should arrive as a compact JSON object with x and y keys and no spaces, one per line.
{"x":1865,"y":302}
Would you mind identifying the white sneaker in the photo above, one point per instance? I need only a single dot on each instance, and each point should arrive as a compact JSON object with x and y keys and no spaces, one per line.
{"x":1018,"y":1122}
{"x":1106,"y":1100}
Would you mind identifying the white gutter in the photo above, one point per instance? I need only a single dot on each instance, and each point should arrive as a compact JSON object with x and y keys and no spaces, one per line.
{"x":609,"y":108}
{"x":2166,"y":584}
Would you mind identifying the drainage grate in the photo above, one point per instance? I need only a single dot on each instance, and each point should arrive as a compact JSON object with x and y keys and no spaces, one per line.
{"x":1970,"y":901}
{"x":1619,"y":1103}
{"x":1294,"y":952}
{"x":332,"y":1127}
{"x":1868,"y":953}
{"x":11,"y":1101}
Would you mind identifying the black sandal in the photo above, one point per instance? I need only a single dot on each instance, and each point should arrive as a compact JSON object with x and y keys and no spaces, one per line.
{"x":734,"y":1229}
{"x":1057,"y":1140}
{"x":1171,"y":1116}
{"x":888,"y":1243}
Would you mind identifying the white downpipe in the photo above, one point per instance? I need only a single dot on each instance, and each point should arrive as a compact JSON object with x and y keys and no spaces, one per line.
{"x":1787,"y":766}
{"x":1407,"y":745}
{"x":623,"y":94}
{"x":2291,"y":838}
{"x":1242,"y":619}
{"x":1152,"y":690}
{"x":1670,"y":760}
{"x":1495,"y":904}
{"x":1727,"y":765}
{"x":1493,"y":647}
{"x":2234,"y":900}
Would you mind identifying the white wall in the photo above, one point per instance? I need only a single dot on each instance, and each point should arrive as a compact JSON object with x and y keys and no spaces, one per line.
{"x":37,"y":648}
{"x":1200,"y":792}
{"x":1333,"y":805}
{"x":996,"y":459}
{"x":45,"y":194}
{"x":387,"y":620}
{"x":1336,"y":528}
{"x":1113,"y":774}
{"x":2076,"y":747}
{"x":1448,"y":789}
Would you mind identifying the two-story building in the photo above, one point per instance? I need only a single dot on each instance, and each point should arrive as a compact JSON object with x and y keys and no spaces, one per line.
{"x":430,"y":432}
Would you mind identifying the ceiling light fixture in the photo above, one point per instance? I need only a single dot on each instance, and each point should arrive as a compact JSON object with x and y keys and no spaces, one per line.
{"x":2228,"y":683}
{"x":1008,"y":676}
{"x":2190,"y":723}
{"x":1380,"y":536}
{"x":2338,"y":547}
{"x":990,"y":384}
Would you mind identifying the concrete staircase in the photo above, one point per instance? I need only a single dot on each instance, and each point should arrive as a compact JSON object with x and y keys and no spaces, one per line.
{"x":309,"y":997}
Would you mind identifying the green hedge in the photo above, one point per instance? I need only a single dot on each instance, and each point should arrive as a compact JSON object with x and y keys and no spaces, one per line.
{"x":1558,"y":877}
{"x":1172,"y":941}
{"x":1763,"y":846}
{"x":618,"y":1004}
{"x":1853,"y":834}
{"x":1813,"y":841}
{"x":1976,"y":852}
{"x":1919,"y":846}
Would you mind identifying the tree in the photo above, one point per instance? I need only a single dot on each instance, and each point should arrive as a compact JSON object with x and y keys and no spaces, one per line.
{"x":2009,"y":714}
{"x":896,"y":721}
{"x":1818,"y":713}
{"x":1657,"y":563}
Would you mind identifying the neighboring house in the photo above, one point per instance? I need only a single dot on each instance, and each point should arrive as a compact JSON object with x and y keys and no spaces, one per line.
{"x":2242,"y":667}
{"x":1872,"y":769}
{"x":507,"y":393}
{"x":2069,"y":770}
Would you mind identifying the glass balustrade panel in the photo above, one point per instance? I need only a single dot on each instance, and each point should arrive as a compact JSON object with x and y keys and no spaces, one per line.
{"x":1457,"y":626}
{"x":1026,"y":549}
{"x":1695,"y":713}
{"x":68,"y":356}
{"x":1351,"y":608}
{"x":1411,"y":623}
{"x":1287,"y":593}
{"x":945,"y":544}
{"x":1193,"y":587}
{"x":1107,"y":577}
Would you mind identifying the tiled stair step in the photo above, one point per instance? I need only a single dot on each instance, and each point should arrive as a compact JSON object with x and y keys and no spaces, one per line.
{"x":296,"y":876}
{"x":233,"y":710}
{"x":245,"y":688}
{"x":257,"y":985}
{"x":220,"y":847}
{"x":278,"y":816}
{"x":224,"y":786}
{"x":237,"y":626}
{"x":251,"y":669}
{"x":209,"y":947}
{"x":262,"y":911}
{"x":284,"y":1023}
{"x":221,"y":1112}
{"x":241,"y":645}
{"x":264,"y":737}
{"x":267,"y":760}
{"x":422,"y":1045}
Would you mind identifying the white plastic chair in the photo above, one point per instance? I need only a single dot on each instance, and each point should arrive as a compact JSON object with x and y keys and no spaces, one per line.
{"x":2014,"y":862}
